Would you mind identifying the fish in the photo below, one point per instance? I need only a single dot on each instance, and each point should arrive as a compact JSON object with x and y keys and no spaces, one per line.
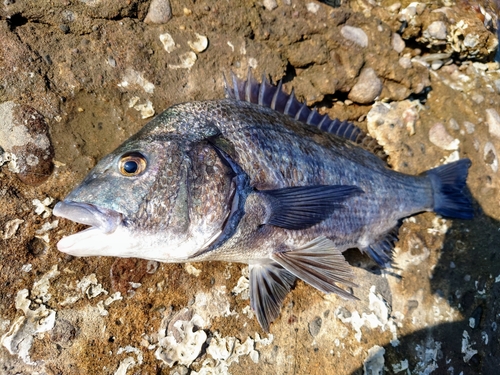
{"x":257,"y":178}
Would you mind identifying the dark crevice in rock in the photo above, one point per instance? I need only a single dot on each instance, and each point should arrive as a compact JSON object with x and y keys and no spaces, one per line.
{"x":422,"y":96}
{"x":16,"y":20}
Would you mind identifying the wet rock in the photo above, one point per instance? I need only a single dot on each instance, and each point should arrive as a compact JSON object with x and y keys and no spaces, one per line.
{"x":159,"y":12}
{"x":367,"y":88}
{"x":25,"y":134}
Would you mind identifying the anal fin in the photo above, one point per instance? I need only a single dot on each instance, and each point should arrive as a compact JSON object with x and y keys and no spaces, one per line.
{"x":320,"y":264}
{"x":301,"y":207}
{"x":269,"y":285}
{"x":381,"y":250}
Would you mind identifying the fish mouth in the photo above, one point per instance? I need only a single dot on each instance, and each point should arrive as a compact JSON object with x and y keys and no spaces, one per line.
{"x":103,"y":219}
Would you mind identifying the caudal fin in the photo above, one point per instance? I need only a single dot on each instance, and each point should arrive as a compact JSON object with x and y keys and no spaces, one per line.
{"x":448,"y":182}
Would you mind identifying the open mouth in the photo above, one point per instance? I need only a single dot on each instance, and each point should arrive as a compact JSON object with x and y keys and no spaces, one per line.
{"x":102,"y":222}
{"x":84,"y":213}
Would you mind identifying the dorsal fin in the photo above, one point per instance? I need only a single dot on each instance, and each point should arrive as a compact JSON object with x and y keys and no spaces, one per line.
{"x":271,"y":96}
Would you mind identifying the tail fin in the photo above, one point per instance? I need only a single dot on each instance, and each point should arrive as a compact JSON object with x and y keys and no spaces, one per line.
{"x":448,"y":182}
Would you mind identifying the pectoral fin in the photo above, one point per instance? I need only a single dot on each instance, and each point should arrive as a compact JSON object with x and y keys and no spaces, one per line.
{"x":302,"y":207}
{"x":320,"y":264}
{"x":269,"y":285}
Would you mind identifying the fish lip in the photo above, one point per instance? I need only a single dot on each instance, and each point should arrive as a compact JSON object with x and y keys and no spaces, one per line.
{"x":103,"y":219}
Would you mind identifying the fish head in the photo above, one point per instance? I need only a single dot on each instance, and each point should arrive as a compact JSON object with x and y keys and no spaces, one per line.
{"x":160,"y":198}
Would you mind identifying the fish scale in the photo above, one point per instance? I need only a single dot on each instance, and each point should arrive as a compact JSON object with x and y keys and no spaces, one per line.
{"x":256,"y":178}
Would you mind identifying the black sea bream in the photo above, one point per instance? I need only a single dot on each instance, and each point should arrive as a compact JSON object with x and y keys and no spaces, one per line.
{"x":256,"y":178}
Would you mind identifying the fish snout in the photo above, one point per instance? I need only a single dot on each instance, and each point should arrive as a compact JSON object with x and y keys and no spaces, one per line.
{"x":104,"y":219}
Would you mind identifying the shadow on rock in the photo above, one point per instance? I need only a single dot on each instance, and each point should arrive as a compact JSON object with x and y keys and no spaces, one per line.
{"x":467,"y":276}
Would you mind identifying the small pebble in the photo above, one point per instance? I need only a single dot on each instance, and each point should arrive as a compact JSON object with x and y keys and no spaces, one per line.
{"x":367,"y":88}
{"x":398,"y":44}
{"x":200,"y":44}
{"x":436,"y":64}
{"x":497,"y":85}
{"x":312,"y":7}
{"x":270,"y":4}
{"x":187,"y":60}
{"x":145,"y":109}
{"x":159,"y":12}
{"x":469,"y":127}
{"x":68,"y":16}
{"x":47,"y":59}
{"x":64,"y":28}
{"x":405,"y":62}
{"x":111,"y":61}
{"x":453,"y":124}
{"x":420,"y":7}
{"x":477,"y":98}
{"x":24,"y":133}
{"x":315,"y":326}
{"x":436,"y":30}
{"x":471,"y":40}
{"x":441,"y":138}
{"x":493,"y":120}
{"x":355,"y":34}
{"x":11,"y":228}
{"x":394,"y":8}
{"x":168,"y":42}
{"x":490,"y":156}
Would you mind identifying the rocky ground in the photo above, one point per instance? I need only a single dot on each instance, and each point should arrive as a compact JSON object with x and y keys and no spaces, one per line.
{"x":79,"y":77}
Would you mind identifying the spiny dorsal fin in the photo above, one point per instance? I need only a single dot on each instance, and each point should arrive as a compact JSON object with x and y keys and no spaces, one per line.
{"x":271,"y":96}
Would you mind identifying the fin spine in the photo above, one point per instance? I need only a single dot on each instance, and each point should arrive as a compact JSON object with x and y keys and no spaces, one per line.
{"x":274,"y":97}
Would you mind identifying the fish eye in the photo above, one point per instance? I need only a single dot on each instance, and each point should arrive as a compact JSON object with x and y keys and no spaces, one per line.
{"x":132,"y":164}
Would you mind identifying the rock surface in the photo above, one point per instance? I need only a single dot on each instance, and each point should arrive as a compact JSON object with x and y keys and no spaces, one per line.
{"x":24,"y":135}
{"x":96,"y":73}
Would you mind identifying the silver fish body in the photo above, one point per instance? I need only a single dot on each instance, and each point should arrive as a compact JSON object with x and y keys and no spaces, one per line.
{"x":245,"y":179}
